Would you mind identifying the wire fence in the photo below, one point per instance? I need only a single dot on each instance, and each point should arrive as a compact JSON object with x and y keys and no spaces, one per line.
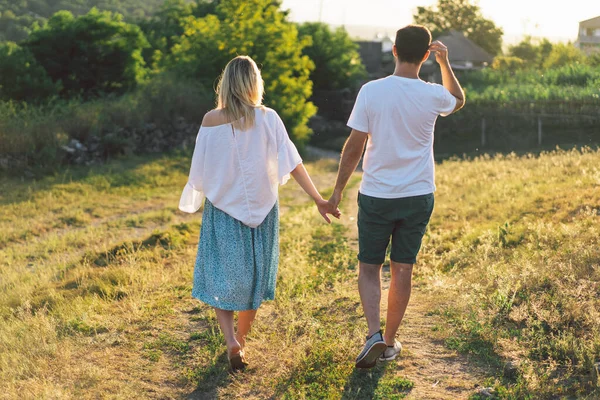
{"x":494,"y":126}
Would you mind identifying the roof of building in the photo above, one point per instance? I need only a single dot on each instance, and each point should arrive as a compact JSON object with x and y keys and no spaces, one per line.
{"x":461,"y":48}
{"x":592,"y":22}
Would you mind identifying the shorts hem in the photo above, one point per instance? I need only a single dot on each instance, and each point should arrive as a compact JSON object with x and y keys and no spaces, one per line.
{"x":404,"y":260}
{"x":366,"y":261}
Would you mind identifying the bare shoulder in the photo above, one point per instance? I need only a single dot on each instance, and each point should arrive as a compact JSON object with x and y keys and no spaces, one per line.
{"x":214,"y":118}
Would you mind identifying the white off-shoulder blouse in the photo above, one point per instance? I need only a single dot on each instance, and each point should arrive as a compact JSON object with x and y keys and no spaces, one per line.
{"x":240,"y":171}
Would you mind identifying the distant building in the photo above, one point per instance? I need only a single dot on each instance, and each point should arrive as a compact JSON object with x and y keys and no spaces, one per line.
{"x":588,"y":39}
{"x":463,"y":53}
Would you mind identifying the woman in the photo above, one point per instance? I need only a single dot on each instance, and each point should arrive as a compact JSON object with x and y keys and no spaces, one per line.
{"x":242,"y":154}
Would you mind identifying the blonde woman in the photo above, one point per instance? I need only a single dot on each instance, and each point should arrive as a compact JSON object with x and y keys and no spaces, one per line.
{"x":242,"y":154}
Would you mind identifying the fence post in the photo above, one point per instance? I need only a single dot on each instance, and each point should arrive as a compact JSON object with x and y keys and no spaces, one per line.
{"x":483,"y":132}
{"x":539,"y":130}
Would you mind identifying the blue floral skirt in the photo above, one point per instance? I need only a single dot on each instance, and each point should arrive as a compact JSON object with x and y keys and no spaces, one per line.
{"x":236,"y":266}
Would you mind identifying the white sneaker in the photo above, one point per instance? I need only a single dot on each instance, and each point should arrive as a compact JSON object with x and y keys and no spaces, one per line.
{"x":391,"y":352}
{"x":374,"y":347}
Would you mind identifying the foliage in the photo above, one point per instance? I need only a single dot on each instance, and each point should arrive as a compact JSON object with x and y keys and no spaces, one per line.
{"x":164,"y":27}
{"x":47,"y":8}
{"x":19,"y":17}
{"x":31,"y":135}
{"x":508,"y":63}
{"x":337,"y":62}
{"x":21,"y":77}
{"x":92,"y":54}
{"x":464,"y":16}
{"x":259,"y":29}
{"x":568,"y":82}
{"x":564,"y":54}
{"x":534,"y":54}
{"x":15,"y":28}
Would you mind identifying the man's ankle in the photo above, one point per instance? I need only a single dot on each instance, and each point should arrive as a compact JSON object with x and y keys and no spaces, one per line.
{"x":389,"y":341}
{"x":371,"y":333}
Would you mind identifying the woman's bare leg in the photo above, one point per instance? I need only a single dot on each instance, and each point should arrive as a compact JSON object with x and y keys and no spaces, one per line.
{"x":245,"y":320}
{"x":225,"y":319}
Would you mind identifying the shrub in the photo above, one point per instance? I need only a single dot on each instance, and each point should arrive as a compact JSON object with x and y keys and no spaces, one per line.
{"x":508,"y":63}
{"x":92,"y":54}
{"x":21,"y":77}
{"x":564,"y":54}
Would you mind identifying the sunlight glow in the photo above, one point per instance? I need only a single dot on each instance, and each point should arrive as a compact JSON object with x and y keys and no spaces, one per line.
{"x":516,"y":17}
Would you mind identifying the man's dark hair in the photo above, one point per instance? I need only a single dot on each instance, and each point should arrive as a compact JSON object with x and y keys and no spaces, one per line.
{"x":412,"y":42}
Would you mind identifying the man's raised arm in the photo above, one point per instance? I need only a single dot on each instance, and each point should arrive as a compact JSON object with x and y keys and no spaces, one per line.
{"x":448,"y":78}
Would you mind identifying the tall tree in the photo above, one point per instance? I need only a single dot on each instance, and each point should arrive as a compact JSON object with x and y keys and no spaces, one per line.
{"x":337,"y":62}
{"x":257,"y":28}
{"x":464,"y":16}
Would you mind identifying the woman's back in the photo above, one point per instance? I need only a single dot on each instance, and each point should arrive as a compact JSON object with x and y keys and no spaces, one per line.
{"x":239,"y":171}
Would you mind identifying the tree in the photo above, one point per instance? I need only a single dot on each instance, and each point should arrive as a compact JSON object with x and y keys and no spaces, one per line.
{"x":464,"y":16}
{"x":164,"y":27}
{"x":259,"y":29}
{"x":92,"y":54}
{"x":564,"y":54}
{"x":20,"y":16}
{"x":21,"y":77}
{"x":534,"y":54}
{"x":337,"y":62}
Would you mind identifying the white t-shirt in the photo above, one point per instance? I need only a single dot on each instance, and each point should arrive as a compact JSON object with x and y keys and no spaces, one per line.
{"x":240,"y":171}
{"x":399,"y":115}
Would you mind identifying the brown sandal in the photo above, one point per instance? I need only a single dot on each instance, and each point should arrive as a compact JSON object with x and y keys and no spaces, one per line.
{"x":237,"y":362}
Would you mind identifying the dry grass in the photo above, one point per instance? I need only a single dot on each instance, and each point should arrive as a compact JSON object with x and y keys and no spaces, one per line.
{"x":96,"y":272}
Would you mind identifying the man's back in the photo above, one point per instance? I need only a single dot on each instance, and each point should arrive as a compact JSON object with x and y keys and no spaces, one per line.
{"x":399,"y":114}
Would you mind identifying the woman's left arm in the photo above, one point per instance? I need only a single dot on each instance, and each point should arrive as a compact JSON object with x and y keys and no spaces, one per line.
{"x":301,"y":176}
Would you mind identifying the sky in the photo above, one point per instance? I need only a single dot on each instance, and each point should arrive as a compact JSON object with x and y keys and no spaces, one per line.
{"x":517,"y":17}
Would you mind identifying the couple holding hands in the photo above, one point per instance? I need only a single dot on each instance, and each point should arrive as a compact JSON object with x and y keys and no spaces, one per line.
{"x":243,"y":153}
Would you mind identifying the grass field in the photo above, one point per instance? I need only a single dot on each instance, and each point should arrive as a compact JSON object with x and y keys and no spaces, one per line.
{"x":96,"y":270}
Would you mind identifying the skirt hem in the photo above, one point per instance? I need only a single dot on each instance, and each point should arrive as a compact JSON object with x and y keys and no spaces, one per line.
{"x":229,"y":306}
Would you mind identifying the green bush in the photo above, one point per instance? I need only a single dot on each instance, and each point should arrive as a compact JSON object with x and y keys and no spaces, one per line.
{"x":564,"y":54}
{"x":257,"y":28}
{"x":89,"y":55}
{"x":508,"y":63}
{"x":33,"y":135}
{"x":21,"y":77}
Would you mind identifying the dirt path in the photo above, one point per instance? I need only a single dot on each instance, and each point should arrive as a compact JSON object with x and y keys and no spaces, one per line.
{"x":438,"y":373}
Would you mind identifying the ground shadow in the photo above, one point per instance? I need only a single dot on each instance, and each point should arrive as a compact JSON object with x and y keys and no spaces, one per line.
{"x":362,"y":383}
{"x":210,"y":378}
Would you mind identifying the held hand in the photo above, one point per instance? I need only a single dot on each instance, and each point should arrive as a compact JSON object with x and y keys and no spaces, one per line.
{"x":327,"y":208}
{"x":440,"y":50}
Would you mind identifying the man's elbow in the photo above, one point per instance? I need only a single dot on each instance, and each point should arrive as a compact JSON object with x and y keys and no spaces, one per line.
{"x":460,"y":103}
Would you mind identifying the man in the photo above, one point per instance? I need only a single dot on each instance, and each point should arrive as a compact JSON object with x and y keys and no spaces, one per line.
{"x":395,"y":116}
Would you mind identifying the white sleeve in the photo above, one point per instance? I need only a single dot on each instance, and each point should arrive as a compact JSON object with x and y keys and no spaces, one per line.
{"x":288,"y":157}
{"x":446,"y":102}
{"x":192,"y":195}
{"x":359,"y":119}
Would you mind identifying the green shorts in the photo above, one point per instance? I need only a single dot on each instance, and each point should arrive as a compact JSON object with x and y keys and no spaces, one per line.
{"x":404,"y":220}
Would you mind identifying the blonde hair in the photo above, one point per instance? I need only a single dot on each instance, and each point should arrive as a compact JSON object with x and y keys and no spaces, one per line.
{"x":240,"y":91}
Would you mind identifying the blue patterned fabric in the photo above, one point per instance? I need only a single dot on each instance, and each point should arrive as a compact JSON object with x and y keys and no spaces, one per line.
{"x":236,"y":266}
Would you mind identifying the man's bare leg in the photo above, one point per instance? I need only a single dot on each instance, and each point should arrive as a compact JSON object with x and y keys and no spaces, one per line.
{"x":369,"y":287}
{"x":398,"y":297}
